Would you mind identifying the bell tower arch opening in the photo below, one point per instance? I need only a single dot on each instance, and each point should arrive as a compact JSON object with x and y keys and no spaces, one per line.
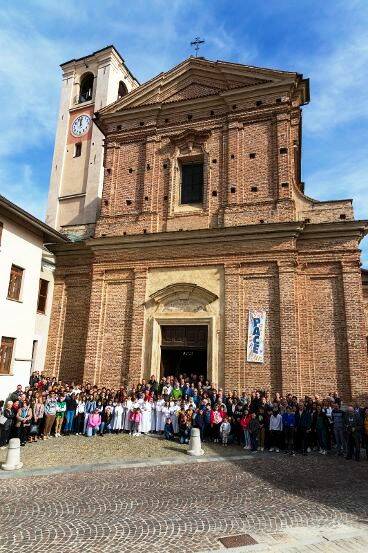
{"x":86,"y":87}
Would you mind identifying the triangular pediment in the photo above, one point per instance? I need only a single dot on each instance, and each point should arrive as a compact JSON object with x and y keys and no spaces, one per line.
{"x":196,"y":78}
{"x":194,"y":90}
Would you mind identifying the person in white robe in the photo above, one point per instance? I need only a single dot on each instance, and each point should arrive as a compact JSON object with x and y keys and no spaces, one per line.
{"x":146,"y":417}
{"x":153,"y":415}
{"x":159,"y":405}
{"x":140,"y":401}
{"x":164,"y":414}
{"x":174,"y":409}
{"x":117,"y":417}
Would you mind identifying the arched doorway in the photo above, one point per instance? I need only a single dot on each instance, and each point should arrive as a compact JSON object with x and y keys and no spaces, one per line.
{"x":184,"y":350}
{"x":182,"y":331}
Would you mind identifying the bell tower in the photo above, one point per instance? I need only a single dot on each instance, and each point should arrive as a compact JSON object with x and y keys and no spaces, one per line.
{"x":88,"y":84}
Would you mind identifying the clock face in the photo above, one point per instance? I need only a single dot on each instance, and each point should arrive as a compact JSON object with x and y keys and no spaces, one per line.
{"x":80,"y":125}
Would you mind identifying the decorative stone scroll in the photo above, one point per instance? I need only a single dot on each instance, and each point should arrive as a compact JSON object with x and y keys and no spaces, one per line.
{"x":183,"y":297}
{"x":183,"y":305}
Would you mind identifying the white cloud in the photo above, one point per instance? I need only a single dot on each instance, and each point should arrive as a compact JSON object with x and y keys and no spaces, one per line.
{"x":348,"y":179}
{"x":19,"y":186}
{"x":338,"y":70}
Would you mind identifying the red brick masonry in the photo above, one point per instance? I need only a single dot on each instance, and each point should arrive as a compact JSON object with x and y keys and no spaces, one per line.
{"x":276,"y":248}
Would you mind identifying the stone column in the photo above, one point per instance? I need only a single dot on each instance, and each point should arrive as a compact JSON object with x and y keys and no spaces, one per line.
{"x":234,"y":349}
{"x":289,"y":331}
{"x":137,"y":323}
{"x":356,"y":333}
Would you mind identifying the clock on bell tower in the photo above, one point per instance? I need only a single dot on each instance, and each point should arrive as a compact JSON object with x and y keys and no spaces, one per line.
{"x":89,"y":84}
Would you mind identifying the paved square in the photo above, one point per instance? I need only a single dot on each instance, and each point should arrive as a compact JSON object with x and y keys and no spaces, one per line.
{"x":174,"y":508}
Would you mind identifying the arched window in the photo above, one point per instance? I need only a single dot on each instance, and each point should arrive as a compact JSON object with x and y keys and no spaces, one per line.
{"x":122,"y":90}
{"x":86,"y":88}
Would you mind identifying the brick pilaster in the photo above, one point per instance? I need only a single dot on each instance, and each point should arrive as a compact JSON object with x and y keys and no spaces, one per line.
{"x":56,"y":329}
{"x":355,"y":330}
{"x":234,"y":350}
{"x":289,"y":335}
{"x":94,"y":336}
{"x":137,"y":326}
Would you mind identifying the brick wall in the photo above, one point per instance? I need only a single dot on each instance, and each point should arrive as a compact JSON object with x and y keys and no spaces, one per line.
{"x":315,"y":337}
{"x":304,"y":274}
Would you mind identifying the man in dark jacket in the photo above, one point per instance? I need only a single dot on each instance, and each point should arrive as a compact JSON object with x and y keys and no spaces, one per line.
{"x":7,"y":426}
{"x":254,"y":428}
{"x":338,"y":421}
{"x":71,"y":407}
{"x":305,"y":424}
{"x":353,"y":425}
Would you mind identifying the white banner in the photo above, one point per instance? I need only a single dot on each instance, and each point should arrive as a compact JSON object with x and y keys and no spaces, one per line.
{"x":256,"y":334}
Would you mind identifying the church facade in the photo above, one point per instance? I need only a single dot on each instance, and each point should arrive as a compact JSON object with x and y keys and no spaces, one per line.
{"x":205,"y":246}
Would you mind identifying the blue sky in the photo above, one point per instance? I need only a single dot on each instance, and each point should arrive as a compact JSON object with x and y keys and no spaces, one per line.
{"x":326,"y":41}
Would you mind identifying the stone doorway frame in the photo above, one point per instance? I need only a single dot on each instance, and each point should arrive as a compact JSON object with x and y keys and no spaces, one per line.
{"x":187,"y":319}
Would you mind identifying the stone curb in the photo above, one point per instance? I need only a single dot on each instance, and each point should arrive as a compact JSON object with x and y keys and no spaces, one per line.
{"x":122,"y":464}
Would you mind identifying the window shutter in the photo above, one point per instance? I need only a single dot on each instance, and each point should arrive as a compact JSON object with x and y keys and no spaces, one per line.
{"x":6,"y":354}
{"x":15,"y":282}
{"x":42,"y":295}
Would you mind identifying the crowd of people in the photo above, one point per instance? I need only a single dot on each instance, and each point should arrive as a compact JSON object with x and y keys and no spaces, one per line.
{"x":171,"y":407}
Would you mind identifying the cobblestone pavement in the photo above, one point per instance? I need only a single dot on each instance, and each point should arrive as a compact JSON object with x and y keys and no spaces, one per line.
{"x":183,"y":508}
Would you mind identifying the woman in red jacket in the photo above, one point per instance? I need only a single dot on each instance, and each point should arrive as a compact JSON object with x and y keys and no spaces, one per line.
{"x":244,"y":423}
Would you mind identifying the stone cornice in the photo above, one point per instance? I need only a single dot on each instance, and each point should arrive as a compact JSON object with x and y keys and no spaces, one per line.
{"x":296,"y":230}
{"x":335,"y":230}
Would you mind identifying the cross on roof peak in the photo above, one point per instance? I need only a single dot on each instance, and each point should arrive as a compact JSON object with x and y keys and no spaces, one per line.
{"x":196,"y":42}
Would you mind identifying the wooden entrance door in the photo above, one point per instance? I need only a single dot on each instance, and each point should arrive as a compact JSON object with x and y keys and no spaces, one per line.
{"x":184,"y":337}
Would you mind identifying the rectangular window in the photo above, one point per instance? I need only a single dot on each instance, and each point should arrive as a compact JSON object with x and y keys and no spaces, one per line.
{"x":191,"y":183}
{"x":15,"y":282}
{"x":42,"y":295}
{"x":78,"y":149}
{"x":6,"y":354}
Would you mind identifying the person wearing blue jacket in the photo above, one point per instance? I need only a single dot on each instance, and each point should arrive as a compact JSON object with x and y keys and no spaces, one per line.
{"x":169,"y":429}
{"x":288,"y":423}
{"x":198,"y":421}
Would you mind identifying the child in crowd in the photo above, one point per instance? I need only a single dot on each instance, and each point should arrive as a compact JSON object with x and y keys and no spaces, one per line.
{"x":169,"y":429}
{"x":93,"y":424}
{"x":135,"y":419}
{"x":225,"y":429}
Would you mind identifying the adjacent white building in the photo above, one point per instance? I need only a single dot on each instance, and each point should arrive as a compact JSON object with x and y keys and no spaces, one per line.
{"x":26,"y":288}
